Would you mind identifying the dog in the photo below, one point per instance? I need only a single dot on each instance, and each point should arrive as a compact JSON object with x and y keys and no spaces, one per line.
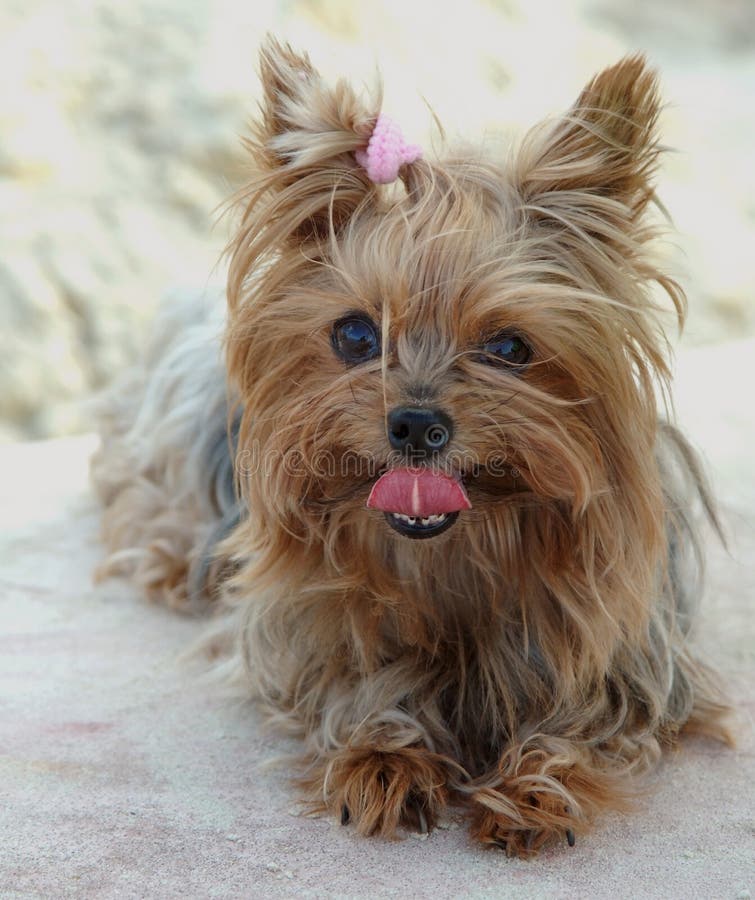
{"x":422,"y":460}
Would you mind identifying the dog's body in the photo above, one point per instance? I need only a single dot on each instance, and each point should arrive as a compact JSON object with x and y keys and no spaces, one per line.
{"x":472,"y":360}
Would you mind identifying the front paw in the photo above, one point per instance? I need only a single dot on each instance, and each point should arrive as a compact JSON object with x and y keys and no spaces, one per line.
{"x":377,"y":791}
{"x":537,"y":798}
{"x":523,"y":836}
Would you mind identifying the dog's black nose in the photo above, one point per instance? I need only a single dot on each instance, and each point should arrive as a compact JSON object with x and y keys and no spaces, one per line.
{"x":418,"y":431}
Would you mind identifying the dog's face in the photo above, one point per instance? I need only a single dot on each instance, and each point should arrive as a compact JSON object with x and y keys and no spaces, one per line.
{"x":427,"y":362}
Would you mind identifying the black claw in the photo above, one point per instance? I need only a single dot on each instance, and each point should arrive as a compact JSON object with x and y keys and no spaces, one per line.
{"x":570,"y":839}
{"x":345,"y":815}
{"x":501,"y":844}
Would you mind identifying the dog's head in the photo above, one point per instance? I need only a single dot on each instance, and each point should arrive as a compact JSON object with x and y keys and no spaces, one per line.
{"x":468,"y":355}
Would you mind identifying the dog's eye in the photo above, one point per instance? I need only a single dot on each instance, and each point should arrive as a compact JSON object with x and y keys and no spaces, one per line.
{"x":355,"y":339}
{"x":507,"y":348}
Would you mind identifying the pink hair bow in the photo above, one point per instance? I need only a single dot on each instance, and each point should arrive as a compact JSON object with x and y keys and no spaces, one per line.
{"x":386,"y":152}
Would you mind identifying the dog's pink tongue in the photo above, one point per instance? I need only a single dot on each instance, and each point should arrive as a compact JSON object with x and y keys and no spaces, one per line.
{"x":418,"y":492}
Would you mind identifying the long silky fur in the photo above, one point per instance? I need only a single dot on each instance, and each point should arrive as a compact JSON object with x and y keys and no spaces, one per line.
{"x":532,"y":661}
{"x":164,"y":472}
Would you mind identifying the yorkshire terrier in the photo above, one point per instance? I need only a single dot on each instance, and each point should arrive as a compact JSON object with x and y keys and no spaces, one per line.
{"x":426,"y":468}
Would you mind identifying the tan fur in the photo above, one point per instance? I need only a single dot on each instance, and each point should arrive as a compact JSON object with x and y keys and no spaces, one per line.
{"x":531,"y":661}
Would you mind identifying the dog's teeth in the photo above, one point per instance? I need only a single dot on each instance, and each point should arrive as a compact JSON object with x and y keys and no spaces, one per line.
{"x":424,"y":521}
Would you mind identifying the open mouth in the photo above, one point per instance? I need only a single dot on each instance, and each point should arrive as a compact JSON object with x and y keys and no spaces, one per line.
{"x":416,"y":527}
{"x":419,"y":502}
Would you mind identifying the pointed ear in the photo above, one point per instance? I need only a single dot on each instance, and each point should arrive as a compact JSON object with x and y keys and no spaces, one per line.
{"x":605,"y":146}
{"x":305,"y":181}
{"x":304,"y":140}
{"x":303,"y":121}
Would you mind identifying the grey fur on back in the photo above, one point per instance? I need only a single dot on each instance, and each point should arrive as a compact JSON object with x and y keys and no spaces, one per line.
{"x":168,"y":449}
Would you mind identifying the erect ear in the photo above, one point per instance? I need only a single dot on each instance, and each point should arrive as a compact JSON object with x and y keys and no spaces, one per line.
{"x":303,"y":145}
{"x":604,"y":147}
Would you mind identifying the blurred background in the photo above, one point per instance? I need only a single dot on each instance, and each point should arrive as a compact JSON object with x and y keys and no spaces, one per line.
{"x":119,"y":137}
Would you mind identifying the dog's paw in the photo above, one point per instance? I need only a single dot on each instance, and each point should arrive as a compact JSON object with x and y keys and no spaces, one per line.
{"x":535,"y":799}
{"x":378,"y":791}
{"x":519,"y":839}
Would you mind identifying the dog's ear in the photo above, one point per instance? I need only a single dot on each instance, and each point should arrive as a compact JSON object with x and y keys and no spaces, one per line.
{"x":604,"y":149}
{"x":304,"y":122}
{"x":303,"y":145}
{"x":306,"y":183}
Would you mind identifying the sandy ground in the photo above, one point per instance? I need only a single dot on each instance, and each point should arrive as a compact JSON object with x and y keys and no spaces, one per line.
{"x":125,"y":774}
